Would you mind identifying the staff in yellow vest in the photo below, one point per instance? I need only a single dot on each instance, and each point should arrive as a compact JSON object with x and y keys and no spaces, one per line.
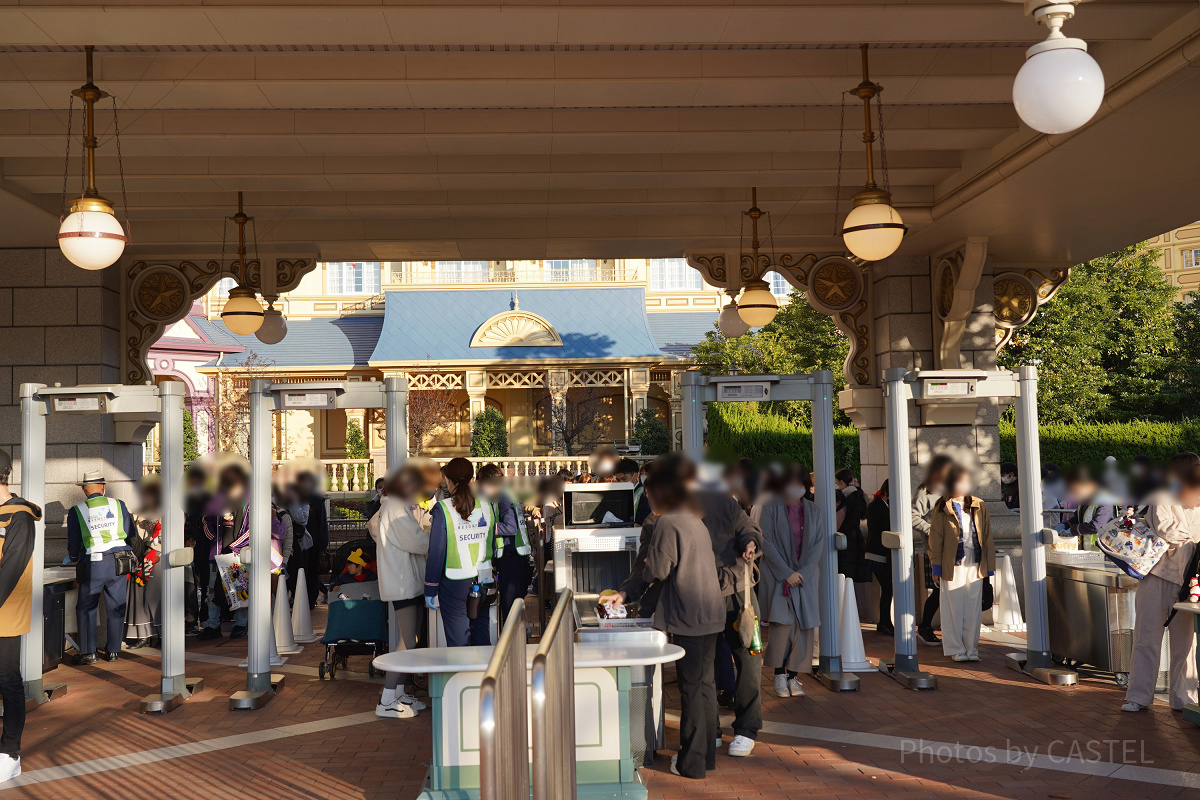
{"x":458,"y":573}
{"x":510,"y":553}
{"x":17,"y":518}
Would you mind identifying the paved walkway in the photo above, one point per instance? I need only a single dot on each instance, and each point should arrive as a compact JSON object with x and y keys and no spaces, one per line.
{"x":321,"y":739}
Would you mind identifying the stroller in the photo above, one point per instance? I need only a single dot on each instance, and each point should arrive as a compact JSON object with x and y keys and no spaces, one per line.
{"x":358,"y":624}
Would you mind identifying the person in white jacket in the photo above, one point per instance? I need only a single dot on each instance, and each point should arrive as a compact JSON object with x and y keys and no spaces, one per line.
{"x":401,"y":533}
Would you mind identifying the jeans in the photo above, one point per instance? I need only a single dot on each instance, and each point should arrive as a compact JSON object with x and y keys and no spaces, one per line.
{"x":100,"y":578}
{"x":460,"y":631}
{"x":697,"y":705}
{"x":12,"y":690}
{"x":747,"y":693}
{"x":241,"y":616}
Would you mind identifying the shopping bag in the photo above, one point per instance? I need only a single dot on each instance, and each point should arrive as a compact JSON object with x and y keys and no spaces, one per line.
{"x":747,"y":622}
{"x":235,"y":578}
{"x":1131,"y":545}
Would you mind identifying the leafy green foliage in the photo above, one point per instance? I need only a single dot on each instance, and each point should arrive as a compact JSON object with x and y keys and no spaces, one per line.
{"x":1104,"y":347}
{"x":651,"y":432}
{"x":744,"y":430}
{"x":799,"y":339}
{"x":1068,"y":444}
{"x":489,"y":436}
{"x":356,"y":443}
{"x":191,"y":444}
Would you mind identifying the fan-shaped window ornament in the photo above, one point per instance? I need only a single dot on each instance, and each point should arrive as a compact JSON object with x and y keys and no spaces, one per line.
{"x":516,"y":328}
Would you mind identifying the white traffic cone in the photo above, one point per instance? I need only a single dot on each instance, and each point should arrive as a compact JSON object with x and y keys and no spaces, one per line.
{"x":285,"y":639}
{"x":1006,"y":609}
{"x":302,"y":630}
{"x":854,"y":655}
{"x":276,"y":659}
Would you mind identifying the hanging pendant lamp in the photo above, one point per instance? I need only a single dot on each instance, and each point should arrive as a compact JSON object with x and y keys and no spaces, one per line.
{"x":757,"y":306}
{"x":242,"y":313}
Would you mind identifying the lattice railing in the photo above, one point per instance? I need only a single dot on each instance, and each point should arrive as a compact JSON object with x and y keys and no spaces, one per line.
{"x":597,"y":377}
{"x":516,"y":380}
{"x":434,"y":380}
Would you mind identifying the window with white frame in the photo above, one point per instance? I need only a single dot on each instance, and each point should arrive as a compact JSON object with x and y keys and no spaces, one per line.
{"x":779,"y":285}
{"x":352,"y":277}
{"x":1191,"y":259}
{"x":224,"y":285}
{"x":576,"y":269}
{"x":462,"y":271}
{"x":674,"y":275}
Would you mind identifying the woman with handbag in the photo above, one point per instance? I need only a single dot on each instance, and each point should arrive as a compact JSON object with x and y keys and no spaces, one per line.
{"x":964,"y":558}
{"x":401,"y":532}
{"x":789,"y":592}
{"x":691,"y":610}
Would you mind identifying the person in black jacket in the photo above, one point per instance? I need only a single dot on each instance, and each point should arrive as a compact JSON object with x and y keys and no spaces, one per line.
{"x":851,"y":511}
{"x":1010,"y":491}
{"x":318,"y":528}
{"x":195,"y":502}
{"x":878,"y":557}
{"x":17,"y":518}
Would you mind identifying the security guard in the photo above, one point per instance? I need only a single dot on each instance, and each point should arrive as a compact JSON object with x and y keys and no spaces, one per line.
{"x":96,"y":534}
{"x":510,"y":553}
{"x":458,"y":573}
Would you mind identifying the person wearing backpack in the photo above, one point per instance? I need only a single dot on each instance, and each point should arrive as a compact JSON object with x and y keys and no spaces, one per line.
{"x":1174,"y":516}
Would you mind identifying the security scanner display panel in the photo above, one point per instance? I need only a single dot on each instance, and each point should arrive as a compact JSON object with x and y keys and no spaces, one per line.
{"x":595,"y":548}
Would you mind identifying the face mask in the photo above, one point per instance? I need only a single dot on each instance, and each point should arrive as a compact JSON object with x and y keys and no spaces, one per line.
{"x":1006,"y":480}
{"x":846,"y":491}
{"x":794,"y":492}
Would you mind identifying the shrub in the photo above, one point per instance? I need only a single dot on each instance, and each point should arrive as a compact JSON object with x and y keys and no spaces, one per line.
{"x":651,"y":432}
{"x":742,"y":430}
{"x":191,"y":445}
{"x":356,"y":443}
{"x":1090,"y":443}
{"x":489,"y":435}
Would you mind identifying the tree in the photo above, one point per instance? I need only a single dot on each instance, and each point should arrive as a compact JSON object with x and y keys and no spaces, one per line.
{"x":585,"y":419}
{"x":429,"y":411}
{"x":1104,"y":345}
{"x":356,"y":443}
{"x":799,"y":339}
{"x":231,"y":410}
{"x":651,"y":433}
{"x":191,"y":448}
{"x":489,"y":435}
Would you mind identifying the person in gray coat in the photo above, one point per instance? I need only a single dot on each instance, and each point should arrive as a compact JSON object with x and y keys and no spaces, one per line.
{"x":788,"y":593}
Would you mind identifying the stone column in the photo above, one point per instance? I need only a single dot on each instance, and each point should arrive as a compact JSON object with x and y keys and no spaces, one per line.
{"x":676,"y":402}
{"x":61,"y":324}
{"x":475,"y":382}
{"x":639,"y":389}
{"x":557,"y":383}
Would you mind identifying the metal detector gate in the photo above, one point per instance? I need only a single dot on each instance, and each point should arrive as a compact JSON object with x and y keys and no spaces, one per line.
{"x":265,"y":398}
{"x":135,"y":411}
{"x":952,"y":396}
{"x":817,"y":388}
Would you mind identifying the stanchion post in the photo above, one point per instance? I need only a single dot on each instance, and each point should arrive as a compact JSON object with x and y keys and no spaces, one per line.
{"x":33,"y":489}
{"x":691,"y":386}
{"x":395,"y":391}
{"x":829,"y":662}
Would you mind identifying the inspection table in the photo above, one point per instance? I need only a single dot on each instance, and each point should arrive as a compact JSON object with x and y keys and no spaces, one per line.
{"x":1192,"y":712}
{"x":606,"y":764}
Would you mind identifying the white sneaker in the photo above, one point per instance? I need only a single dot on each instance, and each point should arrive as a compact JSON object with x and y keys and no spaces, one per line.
{"x":741,"y":746}
{"x":961,"y":657}
{"x":9,"y":767}
{"x":781,"y":686}
{"x":719,"y":743}
{"x":674,"y":765}
{"x":396,"y":710}
{"x":795,"y":687}
{"x":1132,"y":706}
{"x":974,"y":657}
{"x":409,"y":700}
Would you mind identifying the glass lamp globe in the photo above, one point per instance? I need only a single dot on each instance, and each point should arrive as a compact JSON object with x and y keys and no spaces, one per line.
{"x":274,"y":327}
{"x":242,"y":313}
{"x":1059,"y":87}
{"x":91,"y":237}
{"x":758,"y":306}
{"x":873,"y":229}
{"x":730,"y":322}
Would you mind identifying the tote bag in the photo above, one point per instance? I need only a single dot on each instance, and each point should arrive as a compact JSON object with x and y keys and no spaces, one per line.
{"x":1132,"y":546}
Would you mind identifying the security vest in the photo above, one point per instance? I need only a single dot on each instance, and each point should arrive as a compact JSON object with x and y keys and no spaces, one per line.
{"x":101,"y":524}
{"x":467,"y":551}
{"x":638,"y":491}
{"x":1098,"y":501}
{"x":522,"y":538}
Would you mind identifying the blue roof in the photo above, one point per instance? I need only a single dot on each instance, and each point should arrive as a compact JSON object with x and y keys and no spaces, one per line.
{"x":676,"y":332}
{"x":438,"y":325}
{"x":330,"y":341}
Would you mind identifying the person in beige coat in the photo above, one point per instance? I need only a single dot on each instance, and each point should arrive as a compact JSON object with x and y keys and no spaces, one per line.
{"x":963,"y":557}
{"x":1175,"y":518}
{"x":401,"y":532}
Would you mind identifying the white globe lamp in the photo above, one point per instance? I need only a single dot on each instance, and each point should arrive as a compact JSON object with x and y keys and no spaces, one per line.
{"x":242,"y":313}
{"x":873,"y":229}
{"x":274,"y":326}
{"x":1060,"y":86}
{"x":91,"y":237}
{"x":730,"y":322}
{"x":758,"y":306}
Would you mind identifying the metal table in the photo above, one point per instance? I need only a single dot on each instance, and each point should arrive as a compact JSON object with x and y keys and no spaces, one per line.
{"x":1192,"y":712}
{"x":1091,"y":617}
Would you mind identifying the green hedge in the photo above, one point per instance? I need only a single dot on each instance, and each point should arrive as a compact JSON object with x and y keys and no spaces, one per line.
{"x":1090,"y":443}
{"x":741,"y":430}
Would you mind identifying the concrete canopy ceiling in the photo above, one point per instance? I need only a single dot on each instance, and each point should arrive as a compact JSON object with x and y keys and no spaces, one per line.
{"x":403,"y":130}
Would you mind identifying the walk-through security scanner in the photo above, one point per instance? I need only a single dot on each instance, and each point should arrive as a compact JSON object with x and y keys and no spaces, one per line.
{"x":951,"y":397}
{"x":816,"y":388}
{"x":265,"y":398}
{"x":135,"y":411}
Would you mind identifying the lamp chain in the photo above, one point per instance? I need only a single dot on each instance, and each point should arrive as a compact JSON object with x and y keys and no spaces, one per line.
{"x":121,"y":173}
{"x":883,"y":163}
{"x":837,"y":192}
{"x":67,"y":160}
{"x":224,"y":233}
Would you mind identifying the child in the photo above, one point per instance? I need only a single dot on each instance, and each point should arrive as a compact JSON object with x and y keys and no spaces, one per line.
{"x":357,"y":570}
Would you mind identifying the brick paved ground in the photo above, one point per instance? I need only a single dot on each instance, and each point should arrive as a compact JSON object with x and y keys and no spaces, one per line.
{"x":363,"y":758}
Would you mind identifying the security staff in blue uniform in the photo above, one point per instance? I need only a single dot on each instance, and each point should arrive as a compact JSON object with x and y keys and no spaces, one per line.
{"x":461,"y":537}
{"x":510,"y":556}
{"x":97,"y":530}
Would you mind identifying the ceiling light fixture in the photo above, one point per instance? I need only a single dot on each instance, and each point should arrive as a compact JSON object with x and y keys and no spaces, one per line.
{"x":1060,"y":86}
{"x":730,"y":322}
{"x":274,"y":324}
{"x":758,"y":306}
{"x":242,"y":313}
{"x":873,"y":229}
{"x":90,"y":236}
